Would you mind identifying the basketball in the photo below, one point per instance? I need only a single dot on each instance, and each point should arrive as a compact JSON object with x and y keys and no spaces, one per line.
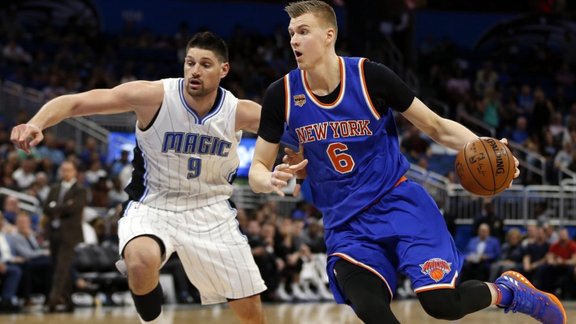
{"x":485,"y":166}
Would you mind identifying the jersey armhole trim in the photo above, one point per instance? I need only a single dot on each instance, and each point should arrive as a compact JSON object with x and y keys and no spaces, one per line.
{"x":151,"y":122}
{"x":287,"y":98}
{"x":365,"y":89}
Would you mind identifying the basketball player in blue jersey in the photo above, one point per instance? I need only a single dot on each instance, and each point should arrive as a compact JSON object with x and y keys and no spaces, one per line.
{"x":377,"y":222}
{"x":187,"y":133}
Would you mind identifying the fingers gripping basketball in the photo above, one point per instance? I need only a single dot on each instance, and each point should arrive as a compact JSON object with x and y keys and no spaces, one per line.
{"x":485,"y":166}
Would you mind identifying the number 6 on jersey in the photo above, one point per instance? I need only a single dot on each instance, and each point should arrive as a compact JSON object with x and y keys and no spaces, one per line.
{"x":341,"y":161}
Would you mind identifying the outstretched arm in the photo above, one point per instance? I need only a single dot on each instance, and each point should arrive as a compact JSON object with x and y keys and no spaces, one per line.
{"x":444,"y":131}
{"x":138,"y":96}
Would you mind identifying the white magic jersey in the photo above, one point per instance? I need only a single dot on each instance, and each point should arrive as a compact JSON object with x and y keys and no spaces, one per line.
{"x":186,"y":161}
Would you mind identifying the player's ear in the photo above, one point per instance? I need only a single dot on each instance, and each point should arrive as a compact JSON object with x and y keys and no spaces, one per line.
{"x":225,"y":68}
{"x":330,"y":35}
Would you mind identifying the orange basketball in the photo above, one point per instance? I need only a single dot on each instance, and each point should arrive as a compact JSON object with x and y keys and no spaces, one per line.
{"x":485,"y":166}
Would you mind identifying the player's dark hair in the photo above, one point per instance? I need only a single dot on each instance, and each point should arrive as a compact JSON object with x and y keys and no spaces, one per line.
{"x":209,"y":41}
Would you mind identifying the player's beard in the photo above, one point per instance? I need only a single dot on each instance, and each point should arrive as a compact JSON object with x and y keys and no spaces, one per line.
{"x":197,"y":93}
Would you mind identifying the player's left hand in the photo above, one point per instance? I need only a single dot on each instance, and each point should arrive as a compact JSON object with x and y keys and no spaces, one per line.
{"x":516,"y":162}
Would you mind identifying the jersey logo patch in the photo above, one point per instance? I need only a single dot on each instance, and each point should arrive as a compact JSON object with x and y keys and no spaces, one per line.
{"x":299,"y":100}
{"x":436,"y":268}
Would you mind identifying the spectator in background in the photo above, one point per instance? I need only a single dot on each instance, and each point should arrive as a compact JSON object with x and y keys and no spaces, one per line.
{"x":564,"y":76}
{"x":486,"y":79}
{"x":263,"y":251}
{"x":531,"y":234}
{"x":558,"y":273}
{"x":15,"y":53}
{"x":488,"y":216}
{"x":118,"y":164}
{"x":64,"y":207}
{"x":525,"y":100}
{"x":534,"y":257}
{"x":10,"y":209}
{"x":542,"y":111}
{"x":481,"y":251}
{"x":25,"y":175}
{"x":50,"y":149}
{"x":116,"y":193}
{"x":511,"y":256}
{"x":95,"y":172}
{"x":520,"y":133}
{"x":37,"y":265}
{"x":90,"y":151}
{"x":42,"y":186}
{"x":10,"y":275}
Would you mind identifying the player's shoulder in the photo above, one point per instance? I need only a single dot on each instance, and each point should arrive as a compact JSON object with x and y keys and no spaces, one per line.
{"x":277,"y":86}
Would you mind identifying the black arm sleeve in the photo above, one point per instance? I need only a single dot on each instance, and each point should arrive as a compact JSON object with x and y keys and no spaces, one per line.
{"x":272,"y":118}
{"x":386,"y":89}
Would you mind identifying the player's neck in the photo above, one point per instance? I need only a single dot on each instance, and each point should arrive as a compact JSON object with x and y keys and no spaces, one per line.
{"x":201,"y":104}
{"x":325,"y":76}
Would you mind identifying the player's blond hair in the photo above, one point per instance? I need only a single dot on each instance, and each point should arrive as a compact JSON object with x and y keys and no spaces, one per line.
{"x":319,"y":9}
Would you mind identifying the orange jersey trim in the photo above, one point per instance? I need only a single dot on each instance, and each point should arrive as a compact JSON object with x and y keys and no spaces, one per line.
{"x":287,"y":99}
{"x":340,"y":94}
{"x":365,"y":90}
{"x":450,"y":285}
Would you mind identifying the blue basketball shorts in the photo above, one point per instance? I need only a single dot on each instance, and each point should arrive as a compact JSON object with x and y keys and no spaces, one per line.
{"x":403,"y":232}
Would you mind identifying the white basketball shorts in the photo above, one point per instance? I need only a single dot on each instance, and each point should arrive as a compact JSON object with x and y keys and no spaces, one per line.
{"x":215,"y":254}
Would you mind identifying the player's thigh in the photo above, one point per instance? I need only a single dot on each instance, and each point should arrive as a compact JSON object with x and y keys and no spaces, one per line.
{"x":143,"y":235}
{"x":217,"y":261}
{"x":426,"y":250}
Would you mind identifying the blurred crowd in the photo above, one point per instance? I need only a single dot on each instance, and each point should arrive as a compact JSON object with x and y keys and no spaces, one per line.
{"x":527,"y":95}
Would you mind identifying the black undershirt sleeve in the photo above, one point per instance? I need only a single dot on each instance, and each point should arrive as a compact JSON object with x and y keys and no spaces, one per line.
{"x":273,"y":107}
{"x":386,"y":89}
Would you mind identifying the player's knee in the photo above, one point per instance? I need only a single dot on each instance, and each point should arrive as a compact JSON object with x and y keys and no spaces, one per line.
{"x":441,"y":305}
{"x":142,"y":272}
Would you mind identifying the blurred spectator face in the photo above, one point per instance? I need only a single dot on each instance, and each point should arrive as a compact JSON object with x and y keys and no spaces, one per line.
{"x":521,"y":123}
{"x":11,"y":204}
{"x":29,"y":165}
{"x":532,"y":230}
{"x":514,"y":237}
{"x":483,"y":231}
{"x":68,"y":171}
{"x":253,"y":228}
{"x":563,"y":235}
{"x":41,"y":179}
{"x":23,"y":223}
{"x":268,"y":230}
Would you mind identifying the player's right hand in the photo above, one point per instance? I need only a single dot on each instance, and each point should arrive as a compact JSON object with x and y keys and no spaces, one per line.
{"x":26,"y":136}
{"x":284,"y":172}
{"x":292,"y":157}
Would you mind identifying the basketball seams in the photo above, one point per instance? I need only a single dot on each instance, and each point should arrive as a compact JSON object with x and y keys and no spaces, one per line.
{"x":489,"y":158}
{"x":511,"y":166}
{"x":471,"y":173}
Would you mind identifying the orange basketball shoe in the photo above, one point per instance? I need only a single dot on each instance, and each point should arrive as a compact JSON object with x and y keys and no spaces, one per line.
{"x":542,"y":306}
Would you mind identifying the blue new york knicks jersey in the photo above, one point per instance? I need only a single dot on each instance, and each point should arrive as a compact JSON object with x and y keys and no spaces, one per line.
{"x":352,"y":150}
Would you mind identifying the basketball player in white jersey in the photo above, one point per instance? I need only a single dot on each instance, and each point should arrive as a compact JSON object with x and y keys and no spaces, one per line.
{"x":187,"y":133}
